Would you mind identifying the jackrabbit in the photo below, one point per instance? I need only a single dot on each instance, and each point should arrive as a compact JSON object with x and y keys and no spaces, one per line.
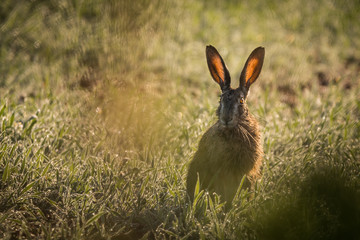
{"x":231,"y":148}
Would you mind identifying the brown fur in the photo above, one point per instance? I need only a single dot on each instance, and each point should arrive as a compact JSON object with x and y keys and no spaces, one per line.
{"x":226,"y":154}
{"x":224,"y":157}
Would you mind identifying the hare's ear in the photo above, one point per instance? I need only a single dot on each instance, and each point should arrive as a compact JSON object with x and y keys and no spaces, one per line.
{"x":217,"y":68}
{"x":252,"y":68}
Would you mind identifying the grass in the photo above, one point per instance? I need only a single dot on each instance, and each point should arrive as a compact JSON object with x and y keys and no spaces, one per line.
{"x":102,"y":104}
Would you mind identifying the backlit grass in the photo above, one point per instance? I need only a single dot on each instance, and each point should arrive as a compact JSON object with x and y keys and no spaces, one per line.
{"x":102,"y":104}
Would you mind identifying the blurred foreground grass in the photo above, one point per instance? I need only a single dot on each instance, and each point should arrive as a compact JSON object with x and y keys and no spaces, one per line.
{"x":103,"y":103}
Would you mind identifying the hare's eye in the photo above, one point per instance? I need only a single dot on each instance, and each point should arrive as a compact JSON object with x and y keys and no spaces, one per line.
{"x":241,"y":100}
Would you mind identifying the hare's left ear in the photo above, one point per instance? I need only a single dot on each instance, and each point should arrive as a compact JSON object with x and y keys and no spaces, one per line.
{"x":217,"y":68}
{"x":252,"y":68}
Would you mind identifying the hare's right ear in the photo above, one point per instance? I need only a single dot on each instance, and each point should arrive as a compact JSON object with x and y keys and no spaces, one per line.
{"x":252,"y":68}
{"x":217,"y":68}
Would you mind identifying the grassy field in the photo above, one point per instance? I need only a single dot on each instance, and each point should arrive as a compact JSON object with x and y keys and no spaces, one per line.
{"x":102,"y":105}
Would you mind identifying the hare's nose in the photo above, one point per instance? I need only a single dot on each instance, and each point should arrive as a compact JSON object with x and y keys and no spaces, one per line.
{"x":228,"y":118}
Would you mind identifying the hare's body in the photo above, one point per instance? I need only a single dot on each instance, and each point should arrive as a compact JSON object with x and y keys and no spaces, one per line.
{"x":224,"y":156}
{"x":231,"y":148}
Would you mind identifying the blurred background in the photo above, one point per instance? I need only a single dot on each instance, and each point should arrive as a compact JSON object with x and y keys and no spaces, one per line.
{"x":129,"y":79}
{"x":160,"y":44}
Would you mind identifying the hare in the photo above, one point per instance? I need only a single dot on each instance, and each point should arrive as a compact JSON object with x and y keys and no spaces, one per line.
{"x":231,"y":148}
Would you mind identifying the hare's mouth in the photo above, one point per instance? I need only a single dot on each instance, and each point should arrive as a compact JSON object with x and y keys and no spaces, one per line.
{"x":227,"y":124}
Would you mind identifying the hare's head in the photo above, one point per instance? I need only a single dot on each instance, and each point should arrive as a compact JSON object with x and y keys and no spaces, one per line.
{"x":233,"y":107}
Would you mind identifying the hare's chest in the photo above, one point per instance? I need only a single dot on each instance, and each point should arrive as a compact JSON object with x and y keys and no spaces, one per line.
{"x":231,"y":154}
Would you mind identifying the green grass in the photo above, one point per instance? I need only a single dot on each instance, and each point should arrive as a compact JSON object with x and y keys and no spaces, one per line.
{"x":102,"y":104}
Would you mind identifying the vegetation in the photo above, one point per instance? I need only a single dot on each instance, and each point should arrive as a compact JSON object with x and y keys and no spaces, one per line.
{"x":102,"y":104}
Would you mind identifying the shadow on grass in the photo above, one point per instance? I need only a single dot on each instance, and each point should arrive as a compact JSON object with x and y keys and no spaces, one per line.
{"x":325,"y":206}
